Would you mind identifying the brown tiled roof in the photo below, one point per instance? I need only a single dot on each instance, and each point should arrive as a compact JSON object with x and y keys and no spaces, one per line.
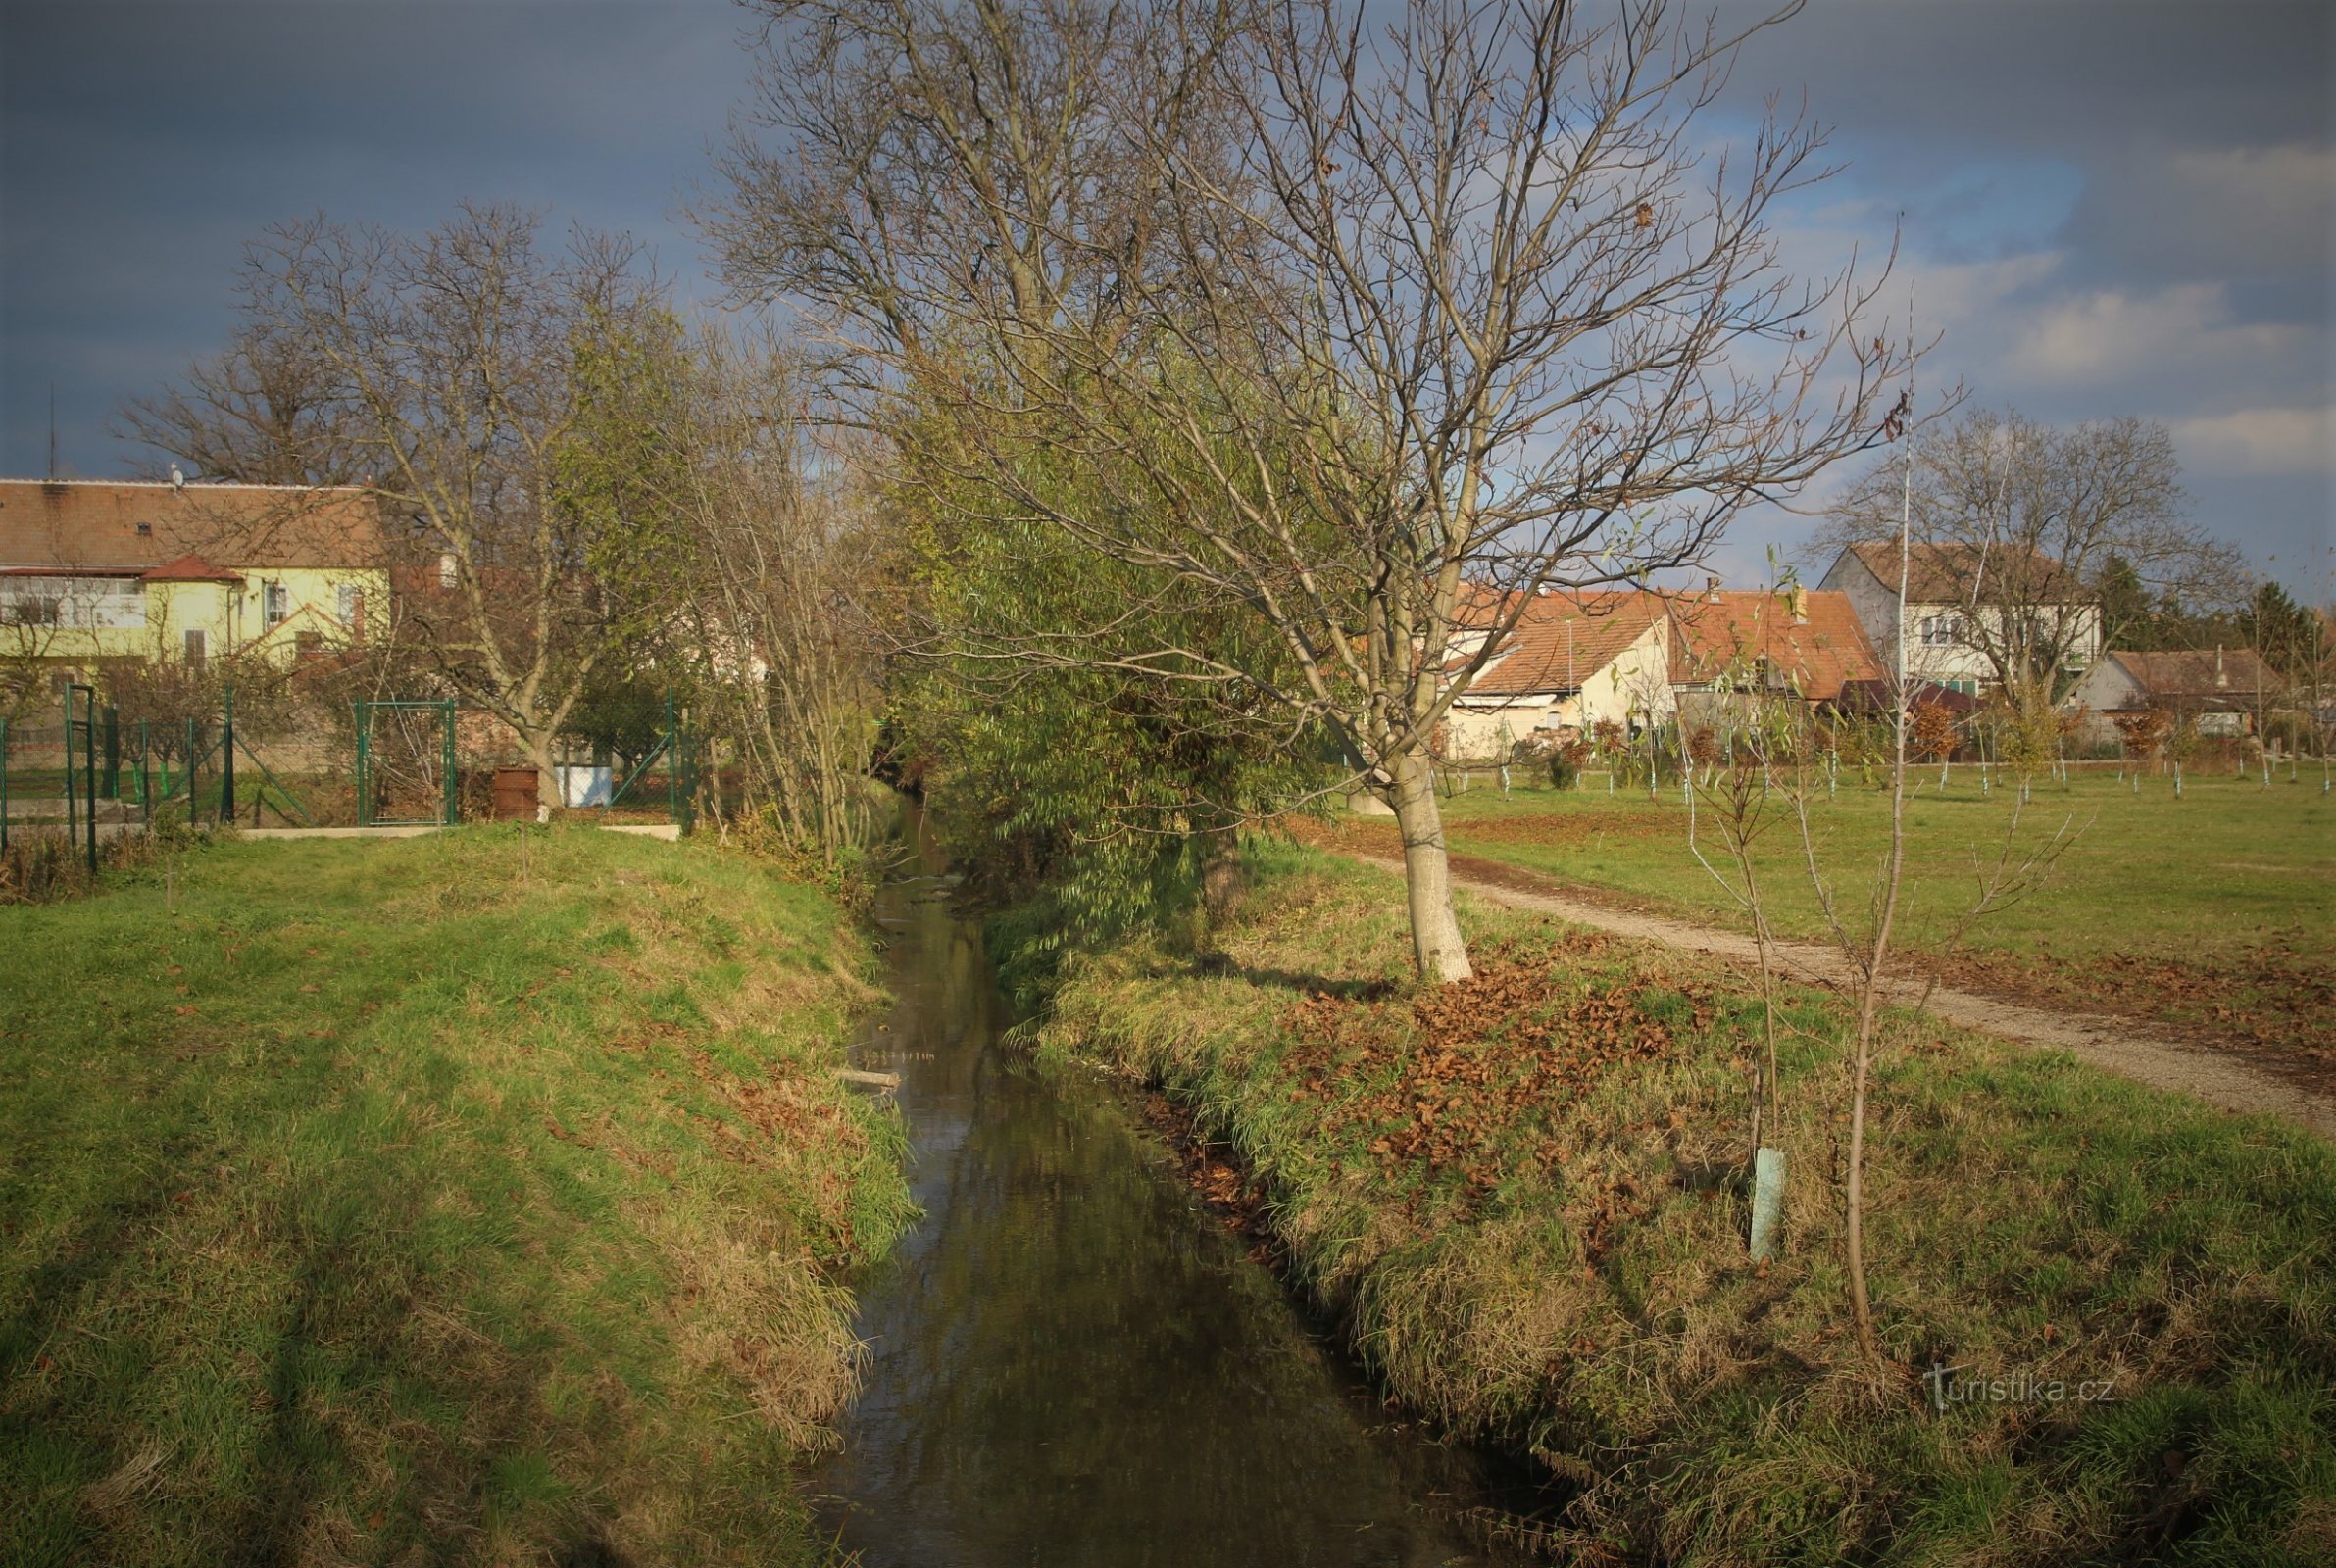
{"x":93,"y":524}
{"x":1944,"y":573}
{"x":2226,"y":674}
{"x":190,"y":568}
{"x":1712,"y":631}
{"x":1562,"y":639}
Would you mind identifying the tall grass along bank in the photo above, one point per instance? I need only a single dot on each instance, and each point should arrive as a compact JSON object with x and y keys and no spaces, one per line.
{"x":2105,"y":1311}
{"x":477,"y":1198}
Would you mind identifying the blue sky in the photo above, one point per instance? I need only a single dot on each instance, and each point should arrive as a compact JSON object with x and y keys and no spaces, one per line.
{"x":2109,"y":209}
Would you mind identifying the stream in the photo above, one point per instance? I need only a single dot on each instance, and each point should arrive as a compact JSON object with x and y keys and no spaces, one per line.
{"x":1071,"y":1360}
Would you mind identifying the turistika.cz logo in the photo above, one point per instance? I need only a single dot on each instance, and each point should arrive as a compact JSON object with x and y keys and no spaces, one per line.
{"x":2016,"y":1387}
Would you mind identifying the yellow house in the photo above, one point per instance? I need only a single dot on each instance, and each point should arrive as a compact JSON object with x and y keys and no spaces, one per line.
{"x":92,"y":573}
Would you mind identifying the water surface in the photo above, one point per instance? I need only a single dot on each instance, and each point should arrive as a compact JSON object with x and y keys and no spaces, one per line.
{"x":1073,"y":1362}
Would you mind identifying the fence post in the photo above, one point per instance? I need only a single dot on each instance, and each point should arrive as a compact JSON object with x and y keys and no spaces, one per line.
{"x":73,"y":819}
{"x":3,"y":784}
{"x":145,"y":771}
{"x":227,"y":776}
{"x":364,"y":737}
{"x":672,"y":763}
{"x":113,"y":753}
{"x":89,"y":760}
{"x":446,"y":774}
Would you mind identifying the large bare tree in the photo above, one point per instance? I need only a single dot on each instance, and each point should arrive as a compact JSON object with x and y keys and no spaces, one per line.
{"x":2024,"y":525}
{"x":262,"y":411}
{"x":1371,"y":331}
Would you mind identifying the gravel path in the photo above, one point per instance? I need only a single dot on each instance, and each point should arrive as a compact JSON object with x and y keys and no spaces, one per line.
{"x":2218,"y":1077}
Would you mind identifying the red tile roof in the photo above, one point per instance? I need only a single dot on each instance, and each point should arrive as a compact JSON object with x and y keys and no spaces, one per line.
{"x":97,"y":525}
{"x":1562,"y":639}
{"x":2214,"y":674}
{"x":1816,"y":654}
{"x":190,"y":568}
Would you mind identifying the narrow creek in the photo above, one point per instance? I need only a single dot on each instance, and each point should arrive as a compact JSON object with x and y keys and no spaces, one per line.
{"x":1071,"y":1360}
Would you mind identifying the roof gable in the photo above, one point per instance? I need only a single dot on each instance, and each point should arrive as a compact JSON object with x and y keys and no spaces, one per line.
{"x":1562,"y":639}
{"x":1816,"y":650}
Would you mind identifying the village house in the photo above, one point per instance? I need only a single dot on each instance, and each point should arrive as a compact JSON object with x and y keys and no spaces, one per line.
{"x":1636,"y":658}
{"x":2223,"y":691}
{"x":1576,"y":660}
{"x":1728,"y":643}
{"x":95,"y":572}
{"x":1956,"y":609}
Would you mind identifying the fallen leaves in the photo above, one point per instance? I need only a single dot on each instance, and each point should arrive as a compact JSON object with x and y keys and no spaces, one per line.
{"x":1472,"y":1080}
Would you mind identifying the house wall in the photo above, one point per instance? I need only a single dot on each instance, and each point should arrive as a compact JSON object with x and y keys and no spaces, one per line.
{"x":227,"y":621}
{"x":1636,"y":684}
{"x":1953,"y":664}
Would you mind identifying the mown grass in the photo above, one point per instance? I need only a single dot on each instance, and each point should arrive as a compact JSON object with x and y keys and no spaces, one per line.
{"x":2214,"y":909}
{"x":1520,"y":1195}
{"x":469,"y":1198}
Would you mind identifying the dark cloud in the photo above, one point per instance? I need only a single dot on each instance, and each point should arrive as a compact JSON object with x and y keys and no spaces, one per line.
{"x":2112,"y":205}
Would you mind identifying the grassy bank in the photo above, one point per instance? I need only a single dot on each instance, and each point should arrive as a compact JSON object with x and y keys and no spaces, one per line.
{"x":1519,"y":1195}
{"x":475,"y":1198}
{"x":2211,"y":909}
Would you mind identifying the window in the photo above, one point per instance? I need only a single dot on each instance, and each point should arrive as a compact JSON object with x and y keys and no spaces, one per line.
{"x":99,"y":603}
{"x":145,"y":530}
{"x":24,"y":608}
{"x":194,"y":650}
{"x":349,"y":604}
{"x":275,"y":606}
{"x":1938,"y":631}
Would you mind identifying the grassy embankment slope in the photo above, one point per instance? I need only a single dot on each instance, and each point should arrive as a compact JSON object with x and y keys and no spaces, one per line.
{"x":458,"y":1199}
{"x":2213,"y":910}
{"x":1519,"y":1195}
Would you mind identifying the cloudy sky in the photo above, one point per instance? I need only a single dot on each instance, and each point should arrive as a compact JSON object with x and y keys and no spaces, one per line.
{"x":2107,"y":208}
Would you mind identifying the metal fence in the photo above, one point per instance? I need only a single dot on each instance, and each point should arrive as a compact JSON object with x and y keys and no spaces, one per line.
{"x":87,"y":770}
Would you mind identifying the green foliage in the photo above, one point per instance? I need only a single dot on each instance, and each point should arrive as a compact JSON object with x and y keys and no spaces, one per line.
{"x":1070,"y":760}
{"x":624,"y":714}
{"x":622,"y":467}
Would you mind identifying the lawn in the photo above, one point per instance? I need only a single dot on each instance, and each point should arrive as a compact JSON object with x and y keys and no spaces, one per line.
{"x":2214,"y":909}
{"x":1521,"y":1196}
{"x":477,"y":1198}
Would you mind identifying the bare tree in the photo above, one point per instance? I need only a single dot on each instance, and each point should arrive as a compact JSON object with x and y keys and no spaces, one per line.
{"x":471,"y":379}
{"x":1372,"y":334}
{"x":2022,"y":527}
{"x":785,"y":661}
{"x":263,"y":411}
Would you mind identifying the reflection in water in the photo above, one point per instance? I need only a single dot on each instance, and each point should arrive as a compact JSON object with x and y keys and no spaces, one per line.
{"x":1072,"y":1363}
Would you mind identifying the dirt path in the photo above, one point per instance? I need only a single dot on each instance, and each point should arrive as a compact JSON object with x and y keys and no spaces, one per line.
{"x":2115,"y":1043}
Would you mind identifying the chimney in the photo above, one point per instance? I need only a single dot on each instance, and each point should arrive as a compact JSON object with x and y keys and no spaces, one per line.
{"x":1711,"y":590}
{"x":2220,"y":679}
{"x":1800,"y":604}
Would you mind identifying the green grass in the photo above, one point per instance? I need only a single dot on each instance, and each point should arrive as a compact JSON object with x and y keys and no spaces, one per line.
{"x":1520,"y":1195}
{"x":473,"y":1199}
{"x":2222,"y":899}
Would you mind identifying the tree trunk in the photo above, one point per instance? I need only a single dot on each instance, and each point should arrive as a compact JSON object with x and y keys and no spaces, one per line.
{"x":1436,"y":943}
{"x":1220,"y":870}
{"x":547,"y":777}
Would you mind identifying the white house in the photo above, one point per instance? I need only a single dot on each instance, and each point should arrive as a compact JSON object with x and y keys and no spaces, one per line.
{"x":1575,"y":660}
{"x":1963,"y":602}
